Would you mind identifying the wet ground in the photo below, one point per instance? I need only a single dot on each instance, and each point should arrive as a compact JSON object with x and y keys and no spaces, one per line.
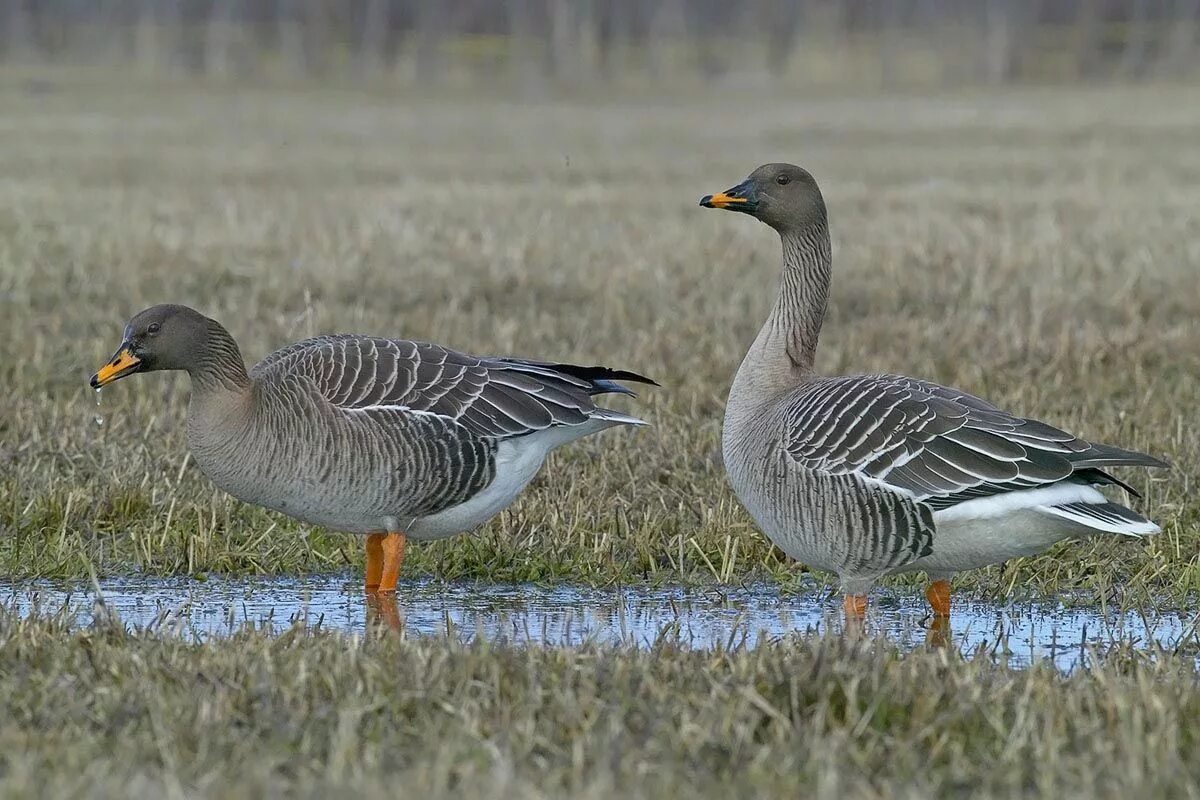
{"x":1019,"y":633}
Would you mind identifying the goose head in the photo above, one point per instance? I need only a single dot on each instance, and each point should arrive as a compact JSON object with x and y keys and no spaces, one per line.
{"x":161,"y":337}
{"x":784,"y":196}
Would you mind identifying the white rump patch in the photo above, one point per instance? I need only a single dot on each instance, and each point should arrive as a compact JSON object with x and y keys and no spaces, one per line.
{"x":1001,"y":505}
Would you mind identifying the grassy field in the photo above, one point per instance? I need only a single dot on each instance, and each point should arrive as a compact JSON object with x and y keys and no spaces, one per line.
{"x":1039,"y":248}
{"x":106,"y":713}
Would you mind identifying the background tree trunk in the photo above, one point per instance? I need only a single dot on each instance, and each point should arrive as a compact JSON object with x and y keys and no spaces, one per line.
{"x":290,"y":23}
{"x":19,"y":41}
{"x":219,"y":35}
{"x":523,"y":45}
{"x":373,"y":24}
{"x":1179,"y":56}
{"x":1087,"y":39}
{"x":1137,"y":41}
{"x":430,"y":28}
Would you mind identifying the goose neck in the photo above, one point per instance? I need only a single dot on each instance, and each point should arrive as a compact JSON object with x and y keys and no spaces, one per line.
{"x":218,"y":367}
{"x":783,"y":354}
{"x":799,"y":309}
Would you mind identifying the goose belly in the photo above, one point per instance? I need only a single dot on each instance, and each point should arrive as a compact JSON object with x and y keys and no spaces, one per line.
{"x":356,"y":474}
{"x":517,"y":461}
{"x":964,"y":543}
{"x":297,"y":487}
{"x":793,"y":533}
{"x":780,"y":498}
{"x":835,"y":523}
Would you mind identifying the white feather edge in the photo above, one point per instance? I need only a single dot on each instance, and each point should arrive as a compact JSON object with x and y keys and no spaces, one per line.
{"x":1045,"y":499}
{"x":393,"y":407}
{"x":1146,"y":528}
{"x":597,"y":413}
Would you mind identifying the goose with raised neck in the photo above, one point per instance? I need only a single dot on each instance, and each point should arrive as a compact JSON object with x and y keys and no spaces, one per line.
{"x":870,"y":475}
{"x":390,"y":438}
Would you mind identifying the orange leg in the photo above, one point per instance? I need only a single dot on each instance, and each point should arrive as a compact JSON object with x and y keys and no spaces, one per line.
{"x":938,"y":595}
{"x":855,"y":607}
{"x":938,"y":633}
{"x":393,"y":557}
{"x":382,"y":610}
{"x":374,"y":560}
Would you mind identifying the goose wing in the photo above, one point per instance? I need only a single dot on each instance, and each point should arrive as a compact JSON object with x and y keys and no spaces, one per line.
{"x":491,"y":397}
{"x":938,"y":445}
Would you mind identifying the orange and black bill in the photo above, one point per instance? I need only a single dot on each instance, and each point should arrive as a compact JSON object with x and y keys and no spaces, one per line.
{"x":739,"y":198}
{"x":123,"y":363}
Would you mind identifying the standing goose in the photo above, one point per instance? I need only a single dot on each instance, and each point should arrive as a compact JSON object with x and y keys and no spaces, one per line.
{"x":871,"y":475}
{"x":384,"y":437}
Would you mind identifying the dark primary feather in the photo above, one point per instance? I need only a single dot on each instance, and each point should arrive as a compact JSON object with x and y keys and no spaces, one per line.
{"x":1098,"y":477}
{"x":1107,"y":455}
{"x":602,"y":379}
{"x":491,"y":397}
{"x":940,"y":444}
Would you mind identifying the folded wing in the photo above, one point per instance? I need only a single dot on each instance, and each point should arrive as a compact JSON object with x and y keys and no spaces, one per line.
{"x":938,"y":445}
{"x":491,"y":397}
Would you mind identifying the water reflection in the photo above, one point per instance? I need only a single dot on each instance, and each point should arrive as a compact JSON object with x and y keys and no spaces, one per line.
{"x":568,"y":615}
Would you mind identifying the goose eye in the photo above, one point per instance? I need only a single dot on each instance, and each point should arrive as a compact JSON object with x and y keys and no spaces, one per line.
{"x":783,"y":180}
{"x":153,"y":328}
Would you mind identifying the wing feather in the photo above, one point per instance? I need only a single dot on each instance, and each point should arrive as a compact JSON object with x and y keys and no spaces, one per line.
{"x":938,"y":444}
{"x":490,"y":397}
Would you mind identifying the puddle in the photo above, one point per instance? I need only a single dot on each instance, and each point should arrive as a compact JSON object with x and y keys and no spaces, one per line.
{"x":1020,"y":633}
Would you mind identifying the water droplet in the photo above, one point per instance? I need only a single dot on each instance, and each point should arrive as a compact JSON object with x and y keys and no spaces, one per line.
{"x":98,"y":418}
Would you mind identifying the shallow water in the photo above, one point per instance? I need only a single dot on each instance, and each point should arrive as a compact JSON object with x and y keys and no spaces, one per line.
{"x":1019,"y":633}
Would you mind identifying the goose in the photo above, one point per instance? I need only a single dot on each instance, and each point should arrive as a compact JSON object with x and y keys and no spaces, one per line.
{"x":871,"y":475}
{"x":390,"y":438}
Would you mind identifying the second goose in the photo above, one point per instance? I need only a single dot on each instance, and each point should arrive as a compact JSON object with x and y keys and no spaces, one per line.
{"x":870,"y":475}
{"x":384,"y":437}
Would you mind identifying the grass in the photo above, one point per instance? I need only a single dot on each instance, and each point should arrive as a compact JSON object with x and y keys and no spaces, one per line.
{"x":1039,"y":248}
{"x":105,"y":712}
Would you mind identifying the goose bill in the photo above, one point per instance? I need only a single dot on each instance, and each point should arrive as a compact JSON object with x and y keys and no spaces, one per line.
{"x":734,"y":199}
{"x":123,"y":363}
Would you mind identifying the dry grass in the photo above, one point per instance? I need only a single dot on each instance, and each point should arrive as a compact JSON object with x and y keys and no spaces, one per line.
{"x":1039,"y":248}
{"x":106,"y":713}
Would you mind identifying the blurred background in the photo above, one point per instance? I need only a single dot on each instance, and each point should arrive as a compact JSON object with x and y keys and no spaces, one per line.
{"x":541,"y":45}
